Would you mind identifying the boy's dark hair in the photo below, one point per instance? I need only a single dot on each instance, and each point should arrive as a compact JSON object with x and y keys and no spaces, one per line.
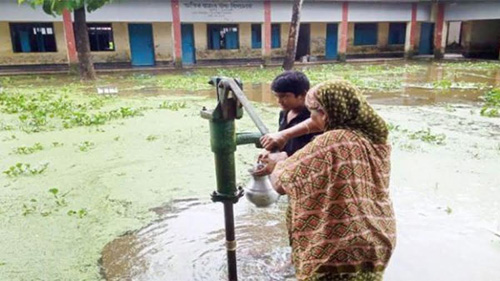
{"x":291,"y":81}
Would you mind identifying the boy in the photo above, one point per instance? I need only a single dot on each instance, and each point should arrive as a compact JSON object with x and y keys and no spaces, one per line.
{"x":290,"y":87}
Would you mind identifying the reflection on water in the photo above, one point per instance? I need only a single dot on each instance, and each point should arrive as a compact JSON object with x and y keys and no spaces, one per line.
{"x":413,"y":88}
{"x":188,"y":244}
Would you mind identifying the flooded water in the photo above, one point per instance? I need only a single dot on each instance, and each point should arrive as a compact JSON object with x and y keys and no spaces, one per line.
{"x":122,"y":183}
{"x":447,"y":199}
{"x":186,"y":245}
{"x":412,"y":88}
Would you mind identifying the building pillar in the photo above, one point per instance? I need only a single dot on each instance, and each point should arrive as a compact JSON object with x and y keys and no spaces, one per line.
{"x":266,"y":51}
{"x":439,"y":31}
{"x":176,"y":28}
{"x":69,"y":34}
{"x":342,"y":53}
{"x":411,"y":33}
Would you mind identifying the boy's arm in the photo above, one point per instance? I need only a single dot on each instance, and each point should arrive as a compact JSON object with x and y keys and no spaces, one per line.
{"x":279,"y":139}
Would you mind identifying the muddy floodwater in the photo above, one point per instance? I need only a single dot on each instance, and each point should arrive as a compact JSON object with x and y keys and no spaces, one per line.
{"x":446,"y":200}
{"x":117,"y":187}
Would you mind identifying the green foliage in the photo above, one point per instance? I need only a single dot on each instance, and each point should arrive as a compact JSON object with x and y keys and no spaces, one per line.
{"x":174,"y":106}
{"x":183,"y":82}
{"x":490,"y":112}
{"x":11,"y":137}
{"x":46,"y":208}
{"x":423,"y":135}
{"x":443,"y":84}
{"x":59,"y":199}
{"x":392,"y":127}
{"x":6,"y":127}
{"x":446,"y":84}
{"x":485,"y":65}
{"x":449,"y":108}
{"x":363,"y":76}
{"x":28,"y":149}
{"x":409,"y":147}
{"x":80,"y":213}
{"x":86,"y":146}
{"x":85,"y":119}
{"x":57,"y":144}
{"x":427,"y":136}
{"x":41,"y":111}
{"x":151,"y":138}
{"x":378,"y":77}
{"x":29,"y":208}
{"x":56,"y":7}
{"x":142,"y":76}
{"x":491,"y":107}
{"x":396,"y":128}
{"x":20,"y":169}
{"x":4,"y":81}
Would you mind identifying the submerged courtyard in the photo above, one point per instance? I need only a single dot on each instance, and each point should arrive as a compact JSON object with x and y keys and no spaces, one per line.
{"x":111,"y":180}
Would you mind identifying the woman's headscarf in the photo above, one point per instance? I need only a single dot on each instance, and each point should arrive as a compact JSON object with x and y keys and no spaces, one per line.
{"x":347,"y":108}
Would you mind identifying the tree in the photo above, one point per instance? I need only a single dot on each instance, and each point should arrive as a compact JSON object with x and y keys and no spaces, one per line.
{"x":79,"y":7}
{"x":293,"y":35}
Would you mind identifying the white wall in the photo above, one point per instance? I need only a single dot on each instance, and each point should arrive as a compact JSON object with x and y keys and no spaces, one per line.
{"x":281,"y":12}
{"x":119,"y":11}
{"x":385,"y":12}
{"x":11,"y":11}
{"x":424,"y":12}
{"x":454,"y":29}
{"x":472,"y":11}
{"x":134,"y":11}
{"x":322,"y":12}
{"x":311,"y":12}
{"x":253,"y":11}
{"x":220,"y":11}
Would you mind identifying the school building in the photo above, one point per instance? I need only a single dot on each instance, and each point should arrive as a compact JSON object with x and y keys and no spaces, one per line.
{"x":196,"y":32}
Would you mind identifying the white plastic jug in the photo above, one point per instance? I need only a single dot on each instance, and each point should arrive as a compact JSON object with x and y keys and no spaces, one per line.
{"x":260,"y":191}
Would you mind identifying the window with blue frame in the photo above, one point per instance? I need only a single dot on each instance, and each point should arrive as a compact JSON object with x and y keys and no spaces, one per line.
{"x":33,"y":37}
{"x":223,"y":37}
{"x":256,"y":36}
{"x":276,"y":36}
{"x":397,"y":33}
{"x":365,"y":34}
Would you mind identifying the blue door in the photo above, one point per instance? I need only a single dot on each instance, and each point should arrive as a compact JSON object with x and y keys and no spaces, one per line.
{"x":188,"y":50}
{"x":331,"y":41}
{"x":141,"y":44}
{"x":256,"y":36}
{"x":25,"y":41}
{"x":426,"y":46}
{"x":275,"y":36}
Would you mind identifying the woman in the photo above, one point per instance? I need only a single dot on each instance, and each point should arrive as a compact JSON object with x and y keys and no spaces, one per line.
{"x":340,"y":220}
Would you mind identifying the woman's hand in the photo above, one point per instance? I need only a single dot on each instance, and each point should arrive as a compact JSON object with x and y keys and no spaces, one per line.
{"x":263,"y":155}
{"x":273,"y":140}
{"x":269,"y":160}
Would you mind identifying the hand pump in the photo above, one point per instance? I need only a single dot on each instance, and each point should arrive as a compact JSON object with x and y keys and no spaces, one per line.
{"x":223,"y":138}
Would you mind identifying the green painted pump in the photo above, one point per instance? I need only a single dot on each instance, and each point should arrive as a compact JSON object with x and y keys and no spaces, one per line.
{"x":223,"y":138}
